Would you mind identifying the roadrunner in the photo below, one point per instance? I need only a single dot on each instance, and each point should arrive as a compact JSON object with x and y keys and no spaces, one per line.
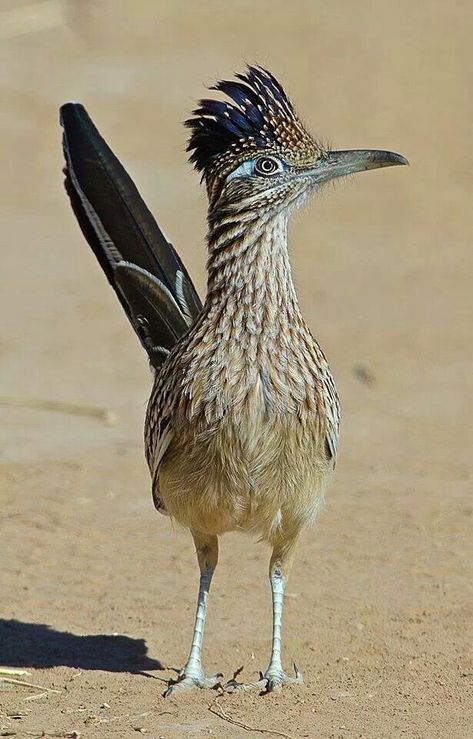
{"x":242,"y":425}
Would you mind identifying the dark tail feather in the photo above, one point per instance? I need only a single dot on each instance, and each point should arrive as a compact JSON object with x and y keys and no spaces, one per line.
{"x":145,"y":271}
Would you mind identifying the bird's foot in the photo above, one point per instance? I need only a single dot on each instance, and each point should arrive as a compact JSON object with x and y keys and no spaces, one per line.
{"x":190,"y":680}
{"x":271,"y":681}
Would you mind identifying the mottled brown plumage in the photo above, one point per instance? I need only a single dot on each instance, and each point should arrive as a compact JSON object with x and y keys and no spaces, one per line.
{"x":241,"y":431}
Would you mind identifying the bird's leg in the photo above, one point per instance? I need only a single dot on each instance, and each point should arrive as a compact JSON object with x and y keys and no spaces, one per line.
{"x":192,"y":675}
{"x":275,"y":677}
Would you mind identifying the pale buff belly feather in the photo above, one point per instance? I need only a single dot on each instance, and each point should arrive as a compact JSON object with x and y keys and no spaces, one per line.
{"x":260,"y":473}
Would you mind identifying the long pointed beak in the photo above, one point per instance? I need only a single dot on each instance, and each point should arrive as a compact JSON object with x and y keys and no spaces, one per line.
{"x":341,"y":163}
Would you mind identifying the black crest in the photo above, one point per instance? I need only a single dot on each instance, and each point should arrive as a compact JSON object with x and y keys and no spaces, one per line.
{"x":260,"y":111}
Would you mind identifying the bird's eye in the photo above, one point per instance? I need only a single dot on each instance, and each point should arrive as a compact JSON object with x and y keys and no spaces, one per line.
{"x":263,"y":166}
{"x":268,"y":166}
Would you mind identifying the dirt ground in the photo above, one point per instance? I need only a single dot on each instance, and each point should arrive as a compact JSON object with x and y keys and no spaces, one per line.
{"x":97,"y":590}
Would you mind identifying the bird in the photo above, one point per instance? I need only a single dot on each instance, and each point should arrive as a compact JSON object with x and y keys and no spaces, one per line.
{"x":242,"y":425}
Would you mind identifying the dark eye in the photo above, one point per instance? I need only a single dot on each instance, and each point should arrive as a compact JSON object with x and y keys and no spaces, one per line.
{"x":268,"y":166}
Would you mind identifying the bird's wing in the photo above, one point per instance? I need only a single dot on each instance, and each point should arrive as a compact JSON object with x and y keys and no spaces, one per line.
{"x":145,"y":271}
{"x":159,"y":430}
{"x":162,"y":445}
{"x":331,"y":440}
{"x":332,"y":415}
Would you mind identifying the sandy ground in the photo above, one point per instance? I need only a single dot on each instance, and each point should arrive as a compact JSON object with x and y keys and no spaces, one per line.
{"x":97,"y":590}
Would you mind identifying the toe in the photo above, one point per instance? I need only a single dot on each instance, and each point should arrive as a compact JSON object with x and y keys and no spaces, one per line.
{"x":269,"y":682}
{"x":274,"y":685}
{"x":187,"y":682}
{"x":276,"y":680}
{"x":233,"y":686}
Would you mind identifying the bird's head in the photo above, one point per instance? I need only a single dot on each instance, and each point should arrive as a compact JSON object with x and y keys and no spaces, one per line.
{"x":254,"y":152}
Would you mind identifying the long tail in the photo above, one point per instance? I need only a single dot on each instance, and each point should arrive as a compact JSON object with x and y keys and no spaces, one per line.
{"x":143,"y":268}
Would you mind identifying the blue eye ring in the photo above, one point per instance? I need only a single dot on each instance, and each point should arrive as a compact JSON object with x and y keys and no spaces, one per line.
{"x":264,"y":165}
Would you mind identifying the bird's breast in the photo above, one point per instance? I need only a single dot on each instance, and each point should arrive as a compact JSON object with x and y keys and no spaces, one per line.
{"x":247,"y":405}
{"x":247,"y":471}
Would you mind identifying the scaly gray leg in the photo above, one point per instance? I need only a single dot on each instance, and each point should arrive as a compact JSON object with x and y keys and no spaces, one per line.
{"x":275,"y":677}
{"x":192,"y":675}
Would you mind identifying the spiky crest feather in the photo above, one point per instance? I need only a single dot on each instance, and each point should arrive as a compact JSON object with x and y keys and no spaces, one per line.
{"x":260,"y":117}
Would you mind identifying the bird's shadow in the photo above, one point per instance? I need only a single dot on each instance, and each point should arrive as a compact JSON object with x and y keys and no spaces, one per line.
{"x":38,"y":645}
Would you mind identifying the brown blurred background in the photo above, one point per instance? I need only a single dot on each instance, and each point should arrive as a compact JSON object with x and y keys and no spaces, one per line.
{"x":380,"y":601}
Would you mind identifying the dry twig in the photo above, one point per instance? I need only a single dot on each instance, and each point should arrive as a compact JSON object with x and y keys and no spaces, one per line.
{"x":217,"y":710}
{"x":6,"y":676}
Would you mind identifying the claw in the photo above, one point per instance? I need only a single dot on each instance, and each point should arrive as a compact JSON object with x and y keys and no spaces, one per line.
{"x":184,"y":683}
{"x":277,"y":680}
{"x":269,"y":682}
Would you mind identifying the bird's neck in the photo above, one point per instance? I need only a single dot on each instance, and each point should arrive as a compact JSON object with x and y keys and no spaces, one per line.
{"x":250,"y":291}
{"x":250,"y":341}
